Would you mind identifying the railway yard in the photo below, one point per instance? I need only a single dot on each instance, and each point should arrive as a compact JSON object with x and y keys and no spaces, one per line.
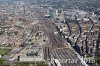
{"x":37,"y":34}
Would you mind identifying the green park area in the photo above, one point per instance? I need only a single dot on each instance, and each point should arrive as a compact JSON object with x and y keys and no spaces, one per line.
{"x":97,"y":60}
{"x":4,"y":51}
{"x":32,"y":64}
{"x":2,"y":63}
{"x":5,"y":26}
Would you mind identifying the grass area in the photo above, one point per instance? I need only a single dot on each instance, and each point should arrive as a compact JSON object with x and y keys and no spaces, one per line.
{"x":10,"y":33}
{"x":5,"y":65}
{"x":97,"y":60}
{"x":4,"y":27}
{"x":22,"y":64}
{"x":1,"y":32}
{"x":28,"y":64}
{"x":4,"y":51}
{"x":1,"y":61}
{"x":89,"y":55}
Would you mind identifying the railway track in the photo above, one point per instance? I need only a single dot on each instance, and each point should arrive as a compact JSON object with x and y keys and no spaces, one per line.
{"x":66,"y":54}
{"x":57,"y":48}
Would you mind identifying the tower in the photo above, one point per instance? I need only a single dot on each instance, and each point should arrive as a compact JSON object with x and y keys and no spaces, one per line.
{"x":51,"y":12}
{"x":24,"y":11}
{"x":57,"y":13}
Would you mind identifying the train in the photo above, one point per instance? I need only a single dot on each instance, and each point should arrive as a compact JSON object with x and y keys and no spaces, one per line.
{"x":56,"y":63}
